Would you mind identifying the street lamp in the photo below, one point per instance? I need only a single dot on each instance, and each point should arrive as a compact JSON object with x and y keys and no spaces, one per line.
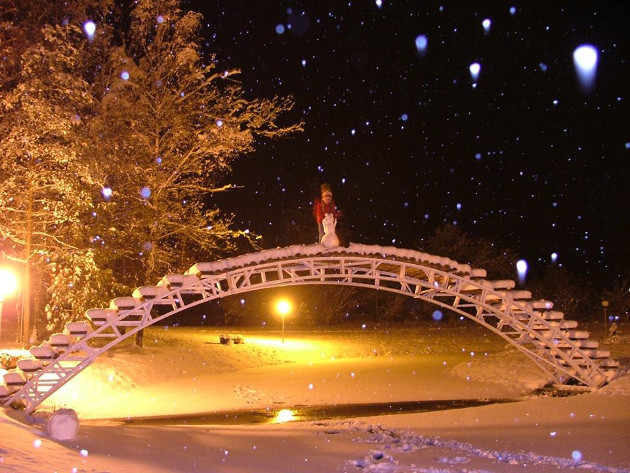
{"x":8,"y":285}
{"x":283,"y":307}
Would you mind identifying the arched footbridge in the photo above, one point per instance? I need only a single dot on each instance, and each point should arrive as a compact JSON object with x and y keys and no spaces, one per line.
{"x":556,"y":345}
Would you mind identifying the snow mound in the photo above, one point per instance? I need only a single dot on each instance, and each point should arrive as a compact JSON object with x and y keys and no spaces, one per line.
{"x":62,"y":425}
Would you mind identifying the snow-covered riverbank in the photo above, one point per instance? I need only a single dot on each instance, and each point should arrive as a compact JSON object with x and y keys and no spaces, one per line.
{"x":184,"y":370}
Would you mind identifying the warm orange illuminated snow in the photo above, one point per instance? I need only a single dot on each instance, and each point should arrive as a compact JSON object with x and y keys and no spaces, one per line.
{"x":186,"y":370}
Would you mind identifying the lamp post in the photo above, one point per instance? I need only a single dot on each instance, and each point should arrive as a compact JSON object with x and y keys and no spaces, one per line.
{"x":8,"y":285}
{"x":605,"y":306}
{"x":283,"y":307}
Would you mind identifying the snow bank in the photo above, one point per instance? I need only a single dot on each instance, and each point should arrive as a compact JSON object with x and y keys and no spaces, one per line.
{"x":187,"y":369}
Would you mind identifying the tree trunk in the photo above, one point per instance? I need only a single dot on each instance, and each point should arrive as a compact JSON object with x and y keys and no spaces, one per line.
{"x":25,"y":336}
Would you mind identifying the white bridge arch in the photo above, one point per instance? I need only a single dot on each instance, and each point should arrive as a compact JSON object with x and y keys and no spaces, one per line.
{"x":556,"y":345}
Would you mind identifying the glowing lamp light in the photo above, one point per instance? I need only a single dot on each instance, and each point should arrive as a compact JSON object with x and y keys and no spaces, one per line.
{"x":486,"y":25}
{"x":283,"y":307}
{"x":8,"y":285}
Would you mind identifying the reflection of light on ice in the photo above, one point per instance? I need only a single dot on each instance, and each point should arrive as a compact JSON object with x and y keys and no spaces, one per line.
{"x":284,"y":415}
{"x":288,"y":344}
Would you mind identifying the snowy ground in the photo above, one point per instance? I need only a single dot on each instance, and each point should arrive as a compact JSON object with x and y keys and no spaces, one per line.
{"x":186,"y":370}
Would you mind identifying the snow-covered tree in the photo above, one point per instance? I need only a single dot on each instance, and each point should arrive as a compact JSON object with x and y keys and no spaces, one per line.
{"x":109,"y":161}
{"x":171,"y":124}
{"x":21,"y":27}
{"x":450,"y":240}
{"x":570,"y":293}
{"x":618,"y":298}
{"x":46,"y":183}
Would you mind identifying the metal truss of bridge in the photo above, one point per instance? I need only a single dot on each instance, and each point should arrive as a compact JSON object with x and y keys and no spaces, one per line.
{"x":557,"y":346}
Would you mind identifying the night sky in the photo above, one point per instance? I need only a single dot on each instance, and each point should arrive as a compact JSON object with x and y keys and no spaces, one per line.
{"x":524,"y":155}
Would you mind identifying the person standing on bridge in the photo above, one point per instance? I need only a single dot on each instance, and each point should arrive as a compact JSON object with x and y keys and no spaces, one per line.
{"x":324,"y":205}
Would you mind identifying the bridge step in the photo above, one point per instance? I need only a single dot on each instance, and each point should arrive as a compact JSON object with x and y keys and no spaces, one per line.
{"x":186,"y":286}
{"x":580,"y":343}
{"x":78,"y":329}
{"x":561,"y":324}
{"x":61,"y":341}
{"x":577,"y":334}
{"x":30,"y":365}
{"x":14,"y":379}
{"x":131,"y":305}
{"x":6,"y":392}
{"x":158,"y":294}
{"x":510,"y":296}
{"x":591,"y":354}
{"x":539,"y":305}
{"x":505,"y":284}
{"x":101,"y":316}
{"x":177,"y":281}
{"x":609,"y":363}
{"x":551,"y":314}
{"x":44,"y":352}
{"x":584,"y":362}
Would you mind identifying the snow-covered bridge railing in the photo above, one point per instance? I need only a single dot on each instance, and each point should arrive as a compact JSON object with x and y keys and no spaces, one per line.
{"x":556,"y":345}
